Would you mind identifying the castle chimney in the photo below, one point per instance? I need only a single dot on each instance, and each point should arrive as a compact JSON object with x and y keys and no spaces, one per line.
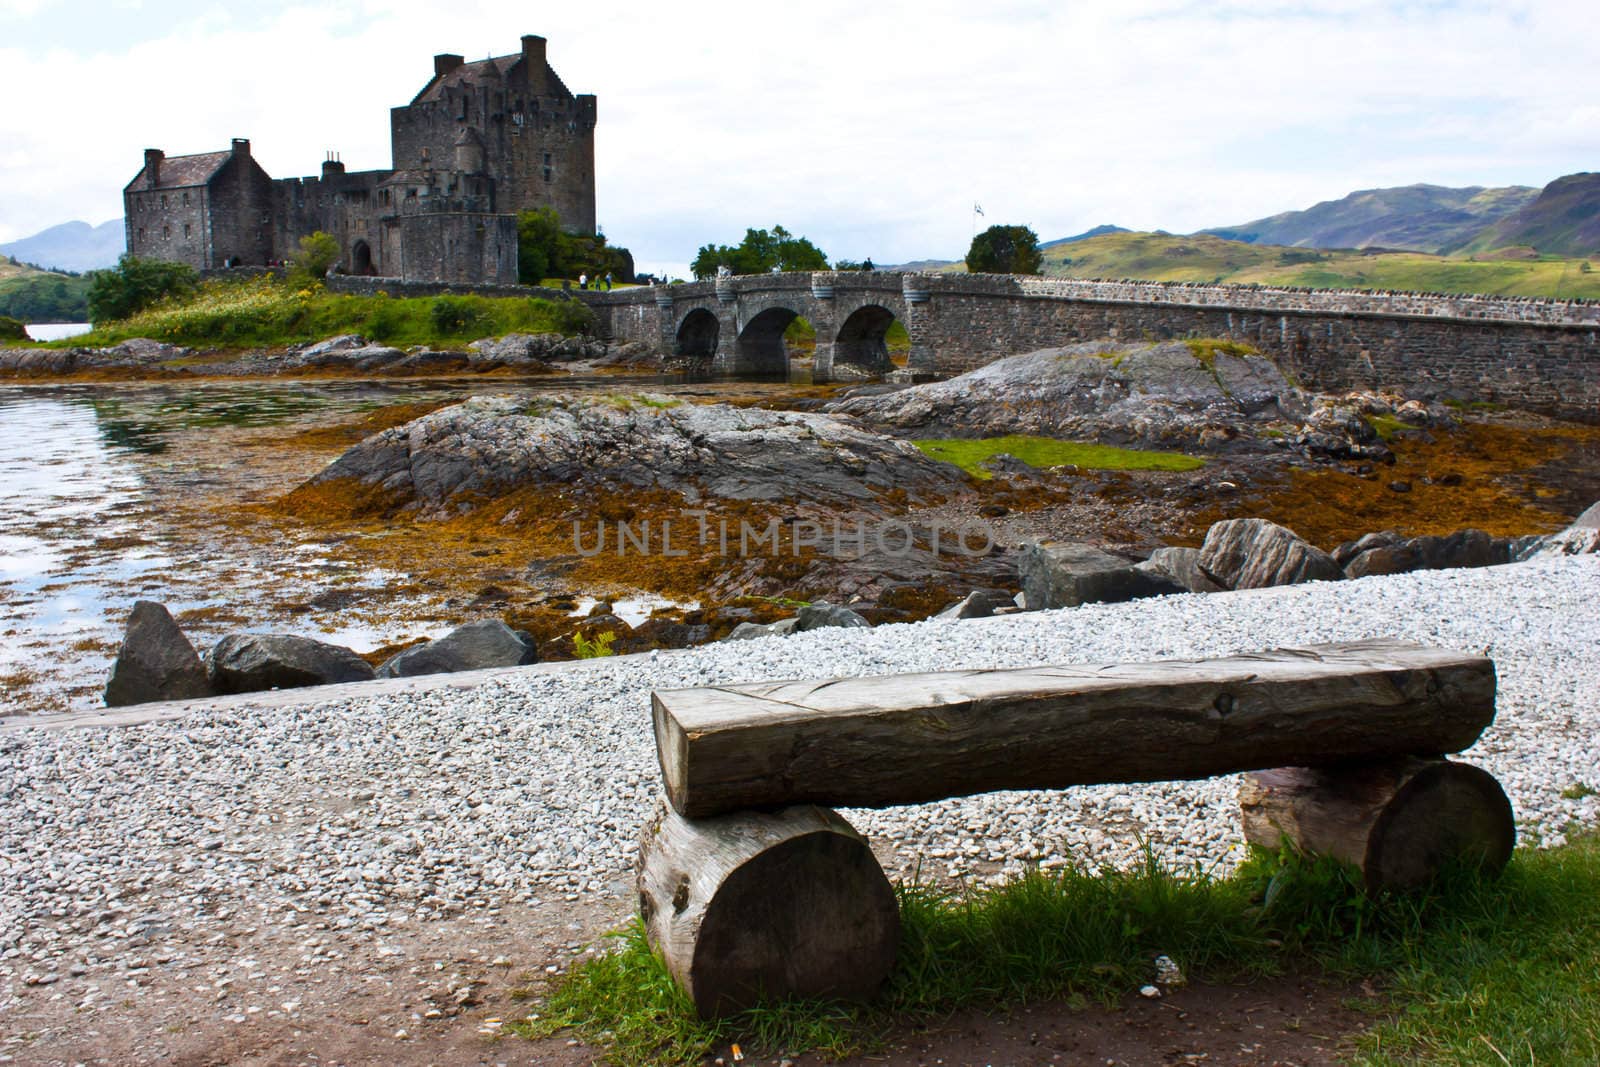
{"x":241,"y":146}
{"x":533,"y":53}
{"x":332,"y":165}
{"x":443,"y":64}
{"x":152,"y":166}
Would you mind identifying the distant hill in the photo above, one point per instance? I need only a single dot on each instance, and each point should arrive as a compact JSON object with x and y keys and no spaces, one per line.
{"x":1207,"y":258}
{"x":1419,"y":218}
{"x":1564,"y":220}
{"x":1098,"y":231}
{"x":74,"y":246}
{"x":925,"y":265}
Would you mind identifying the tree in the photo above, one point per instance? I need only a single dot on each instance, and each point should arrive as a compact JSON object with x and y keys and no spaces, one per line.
{"x":545,"y":250}
{"x":1005,"y":250}
{"x":760,"y":251}
{"x":318,"y":251}
{"x":134,"y":284}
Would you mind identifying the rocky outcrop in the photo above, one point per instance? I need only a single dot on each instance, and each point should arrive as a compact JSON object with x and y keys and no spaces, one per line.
{"x":1181,"y":565}
{"x":1154,"y":393}
{"x":749,"y":631}
{"x":521,"y":349}
{"x":1581,"y":538}
{"x":1255,"y":554}
{"x":155,"y":661}
{"x":491,"y":446}
{"x":475,"y":646}
{"x":1065,"y":574}
{"x":1389,"y":553}
{"x":249,"y":663}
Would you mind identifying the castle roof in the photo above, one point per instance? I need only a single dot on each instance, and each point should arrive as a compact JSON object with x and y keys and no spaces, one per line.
{"x":182,"y":172}
{"x":495,"y":68}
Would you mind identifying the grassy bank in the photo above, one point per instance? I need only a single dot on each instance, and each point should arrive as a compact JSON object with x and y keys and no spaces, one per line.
{"x":1491,"y":971}
{"x":267,"y":312}
{"x":970,"y":455}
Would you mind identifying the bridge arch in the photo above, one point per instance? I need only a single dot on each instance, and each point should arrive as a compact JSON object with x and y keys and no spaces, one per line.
{"x":862,"y":339}
{"x":760,"y":349}
{"x":698,"y":334}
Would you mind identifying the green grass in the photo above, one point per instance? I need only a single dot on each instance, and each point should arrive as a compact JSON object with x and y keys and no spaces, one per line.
{"x":268,"y":312}
{"x":970,"y":455}
{"x":1475,"y":971}
{"x":1386,"y":426}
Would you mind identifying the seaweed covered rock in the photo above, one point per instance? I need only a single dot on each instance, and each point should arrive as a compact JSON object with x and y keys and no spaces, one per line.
{"x":1171,"y":392}
{"x":488,"y":447}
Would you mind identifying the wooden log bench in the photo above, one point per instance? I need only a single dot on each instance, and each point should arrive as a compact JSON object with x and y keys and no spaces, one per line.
{"x":751,"y":886}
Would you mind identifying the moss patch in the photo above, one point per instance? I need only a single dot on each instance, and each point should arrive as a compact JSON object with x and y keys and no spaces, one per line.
{"x":970,"y":455}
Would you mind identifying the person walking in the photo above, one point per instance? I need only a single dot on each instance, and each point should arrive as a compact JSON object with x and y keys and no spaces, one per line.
{"x":583,"y":280}
{"x":609,"y":282}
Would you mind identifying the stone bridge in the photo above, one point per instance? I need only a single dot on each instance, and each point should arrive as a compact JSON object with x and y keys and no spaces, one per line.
{"x":1533,"y":353}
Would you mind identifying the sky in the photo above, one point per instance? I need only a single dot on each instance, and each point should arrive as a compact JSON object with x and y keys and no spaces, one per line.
{"x":872,"y":128}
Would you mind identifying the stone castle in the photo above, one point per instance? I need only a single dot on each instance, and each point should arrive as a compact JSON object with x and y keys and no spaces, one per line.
{"x":481,"y":142}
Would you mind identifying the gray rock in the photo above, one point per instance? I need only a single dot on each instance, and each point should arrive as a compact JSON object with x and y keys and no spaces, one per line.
{"x":340,"y":343}
{"x":1181,"y":565}
{"x":1065,"y":574}
{"x":1108,"y":390}
{"x":1579,"y":539}
{"x":821,"y":615}
{"x":490,"y":446}
{"x":1365,"y":543}
{"x":749,"y":631}
{"x":366,"y":357}
{"x":975,"y":605}
{"x":155,"y":661}
{"x":1391,"y":554}
{"x":248,"y":663}
{"x":1255,"y":553}
{"x":475,"y":646}
{"x":515,"y":348}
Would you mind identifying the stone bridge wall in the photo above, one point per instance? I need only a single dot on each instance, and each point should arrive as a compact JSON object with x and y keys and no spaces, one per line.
{"x":1538,"y":354}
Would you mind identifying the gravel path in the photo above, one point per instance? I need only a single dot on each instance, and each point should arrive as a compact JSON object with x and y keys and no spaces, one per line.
{"x":272,"y":844}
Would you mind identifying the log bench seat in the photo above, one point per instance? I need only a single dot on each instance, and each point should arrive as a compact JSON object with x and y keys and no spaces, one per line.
{"x":751,"y":886}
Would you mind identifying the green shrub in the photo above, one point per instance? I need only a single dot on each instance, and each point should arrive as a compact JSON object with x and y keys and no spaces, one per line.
{"x":595,"y":647}
{"x":12,"y":330}
{"x":318,"y":251}
{"x":135,"y":284}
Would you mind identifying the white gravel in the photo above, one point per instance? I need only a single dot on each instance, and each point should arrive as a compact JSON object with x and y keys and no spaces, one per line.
{"x":411,"y":808}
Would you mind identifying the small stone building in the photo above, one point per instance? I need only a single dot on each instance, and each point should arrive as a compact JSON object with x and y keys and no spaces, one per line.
{"x":480,"y":142}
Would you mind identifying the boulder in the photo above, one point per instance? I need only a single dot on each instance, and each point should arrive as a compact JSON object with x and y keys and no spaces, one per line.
{"x":475,"y":646}
{"x":749,"y":631}
{"x":1181,"y":565}
{"x":1580,"y":539}
{"x":978,"y":604}
{"x":822,"y":615}
{"x":155,"y":662}
{"x":1255,"y":553}
{"x":1065,"y":574}
{"x":1391,"y":554}
{"x":340,"y":343}
{"x":249,"y":663}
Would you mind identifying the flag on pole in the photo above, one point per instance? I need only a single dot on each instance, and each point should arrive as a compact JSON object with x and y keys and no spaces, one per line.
{"x":977,"y":209}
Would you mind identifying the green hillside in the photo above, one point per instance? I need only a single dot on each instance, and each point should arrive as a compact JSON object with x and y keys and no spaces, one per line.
{"x":1415,"y":218}
{"x":1205,"y":258}
{"x":31,"y":295}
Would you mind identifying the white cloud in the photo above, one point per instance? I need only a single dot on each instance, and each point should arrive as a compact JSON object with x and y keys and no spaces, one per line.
{"x":872,"y":130}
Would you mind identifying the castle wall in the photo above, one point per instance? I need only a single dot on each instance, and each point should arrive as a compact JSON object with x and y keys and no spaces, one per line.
{"x":168,"y":224}
{"x":457,"y":247}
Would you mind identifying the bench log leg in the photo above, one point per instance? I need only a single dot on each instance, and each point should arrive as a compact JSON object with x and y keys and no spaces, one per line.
{"x":757,"y":905}
{"x":1400,"y":821}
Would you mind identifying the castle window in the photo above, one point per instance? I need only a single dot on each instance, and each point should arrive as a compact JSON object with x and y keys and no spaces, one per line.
{"x":163,"y":199}
{"x":549,"y":174}
{"x":547,"y":159}
{"x":141,"y":233}
{"x":188,"y":231}
{"x":185,"y":199}
{"x":166,"y":233}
